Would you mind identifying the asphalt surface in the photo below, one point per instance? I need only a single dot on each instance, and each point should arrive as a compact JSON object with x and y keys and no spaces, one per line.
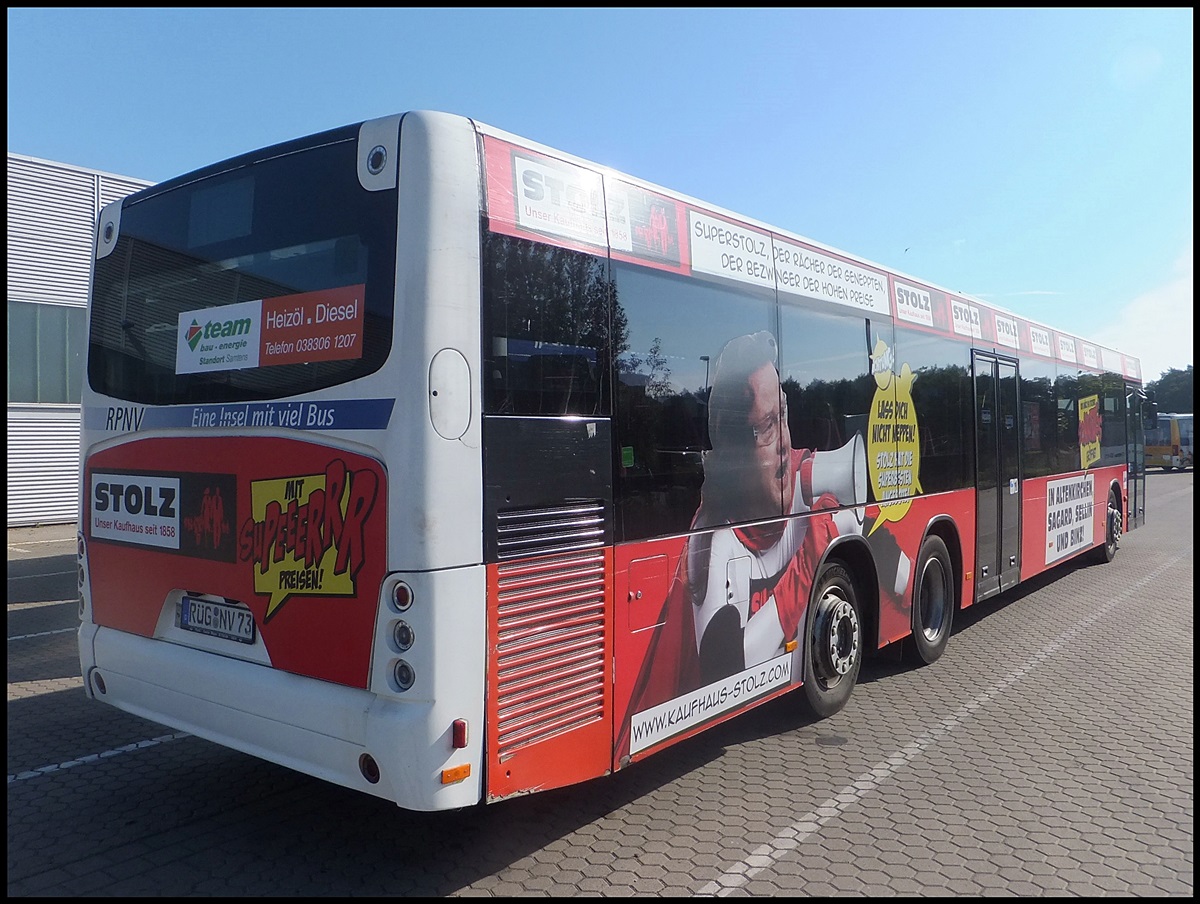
{"x":1048,"y":753}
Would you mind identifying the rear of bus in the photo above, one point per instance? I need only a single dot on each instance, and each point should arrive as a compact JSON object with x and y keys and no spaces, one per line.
{"x":280,"y":466}
{"x":1187,"y":447}
{"x":1170,"y":444}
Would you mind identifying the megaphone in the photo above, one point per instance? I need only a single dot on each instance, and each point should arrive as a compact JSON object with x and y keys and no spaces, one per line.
{"x":842,"y":472}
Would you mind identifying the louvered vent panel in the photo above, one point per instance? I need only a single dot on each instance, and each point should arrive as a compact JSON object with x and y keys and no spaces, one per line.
{"x":550,"y":654}
{"x":555,"y":529}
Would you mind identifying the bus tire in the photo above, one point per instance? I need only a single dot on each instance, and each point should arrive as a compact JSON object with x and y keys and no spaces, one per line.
{"x":932,"y":603}
{"x":1112,"y":532}
{"x":833,"y":641}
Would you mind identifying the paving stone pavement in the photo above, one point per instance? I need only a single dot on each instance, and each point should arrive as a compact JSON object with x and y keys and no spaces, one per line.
{"x":1049,"y":752}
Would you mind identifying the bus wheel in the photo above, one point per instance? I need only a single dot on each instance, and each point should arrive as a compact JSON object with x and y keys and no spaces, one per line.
{"x":1112,"y":531}
{"x":932,"y":604}
{"x":834,"y":642}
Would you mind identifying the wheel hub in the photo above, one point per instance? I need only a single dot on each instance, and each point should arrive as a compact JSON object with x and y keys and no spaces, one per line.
{"x":837,"y":637}
{"x":933,"y":600}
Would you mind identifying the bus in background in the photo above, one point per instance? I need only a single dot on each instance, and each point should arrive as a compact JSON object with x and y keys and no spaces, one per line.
{"x":1169,"y":445}
{"x":445,"y":466}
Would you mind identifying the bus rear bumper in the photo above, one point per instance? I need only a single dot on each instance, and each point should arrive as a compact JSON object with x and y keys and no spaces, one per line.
{"x":315,"y":727}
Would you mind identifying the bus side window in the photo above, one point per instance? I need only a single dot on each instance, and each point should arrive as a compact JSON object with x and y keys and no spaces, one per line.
{"x":546,"y":329}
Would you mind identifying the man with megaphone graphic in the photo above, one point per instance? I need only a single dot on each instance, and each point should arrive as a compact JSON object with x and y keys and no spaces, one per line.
{"x":743,"y":581}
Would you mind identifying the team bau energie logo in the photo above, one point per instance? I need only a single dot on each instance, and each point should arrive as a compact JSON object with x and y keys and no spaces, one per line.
{"x":193,"y":334}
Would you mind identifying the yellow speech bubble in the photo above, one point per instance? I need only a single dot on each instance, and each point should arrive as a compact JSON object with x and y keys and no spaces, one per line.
{"x":297,"y":554}
{"x":893,"y":439}
{"x":1089,"y":430}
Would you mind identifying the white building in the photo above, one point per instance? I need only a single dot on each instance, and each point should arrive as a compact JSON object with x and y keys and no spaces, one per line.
{"x":52,"y":213}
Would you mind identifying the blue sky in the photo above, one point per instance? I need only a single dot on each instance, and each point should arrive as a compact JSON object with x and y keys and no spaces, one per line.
{"x":1038,"y":159}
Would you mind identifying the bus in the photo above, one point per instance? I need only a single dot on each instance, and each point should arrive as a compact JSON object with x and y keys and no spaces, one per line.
{"x":449,"y":467}
{"x":1169,"y":445}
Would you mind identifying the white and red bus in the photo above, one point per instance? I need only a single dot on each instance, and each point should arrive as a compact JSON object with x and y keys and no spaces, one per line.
{"x":448,"y":467}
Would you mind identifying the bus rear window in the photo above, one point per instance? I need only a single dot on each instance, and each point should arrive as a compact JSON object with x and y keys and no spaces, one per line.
{"x":241,"y":285}
{"x":1160,"y":435}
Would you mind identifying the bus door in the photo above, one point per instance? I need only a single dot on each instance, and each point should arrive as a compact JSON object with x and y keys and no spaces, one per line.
{"x":1136,"y":409}
{"x":998,"y":474}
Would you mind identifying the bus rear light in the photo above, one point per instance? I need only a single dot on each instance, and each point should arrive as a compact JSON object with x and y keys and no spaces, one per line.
{"x":455,"y":774}
{"x":402,"y":596}
{"x":404,"y":675}
{"x":403,"y":636}
{"x":458,"y":733}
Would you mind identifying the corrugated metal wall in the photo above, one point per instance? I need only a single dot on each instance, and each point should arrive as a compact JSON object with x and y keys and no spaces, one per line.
{"x":52,"y":211}
{"x":43,"y":464}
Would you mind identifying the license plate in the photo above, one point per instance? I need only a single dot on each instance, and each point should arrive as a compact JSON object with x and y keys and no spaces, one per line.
{"x":216,"y":619}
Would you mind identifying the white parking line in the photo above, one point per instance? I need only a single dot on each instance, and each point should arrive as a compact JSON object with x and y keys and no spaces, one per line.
{"x":17,"y":607}
{"x":24,"y":543}
{"x":42,"y":634}
{"x":96,"y":757}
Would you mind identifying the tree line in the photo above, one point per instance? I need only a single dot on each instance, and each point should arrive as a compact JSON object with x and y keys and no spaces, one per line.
{"x":1172,"y":391}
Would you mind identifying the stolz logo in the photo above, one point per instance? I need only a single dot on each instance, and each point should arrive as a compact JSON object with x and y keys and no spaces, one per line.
{"x":135,"y":508}
{"x":914,"y":305}
{"x":1040,"y":341}
{"x":966,"y":319}
{"x":1006,"y":331}
{"x":560,"y":199}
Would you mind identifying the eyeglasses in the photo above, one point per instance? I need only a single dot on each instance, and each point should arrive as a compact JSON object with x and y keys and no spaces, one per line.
{"x":766,"y":433}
